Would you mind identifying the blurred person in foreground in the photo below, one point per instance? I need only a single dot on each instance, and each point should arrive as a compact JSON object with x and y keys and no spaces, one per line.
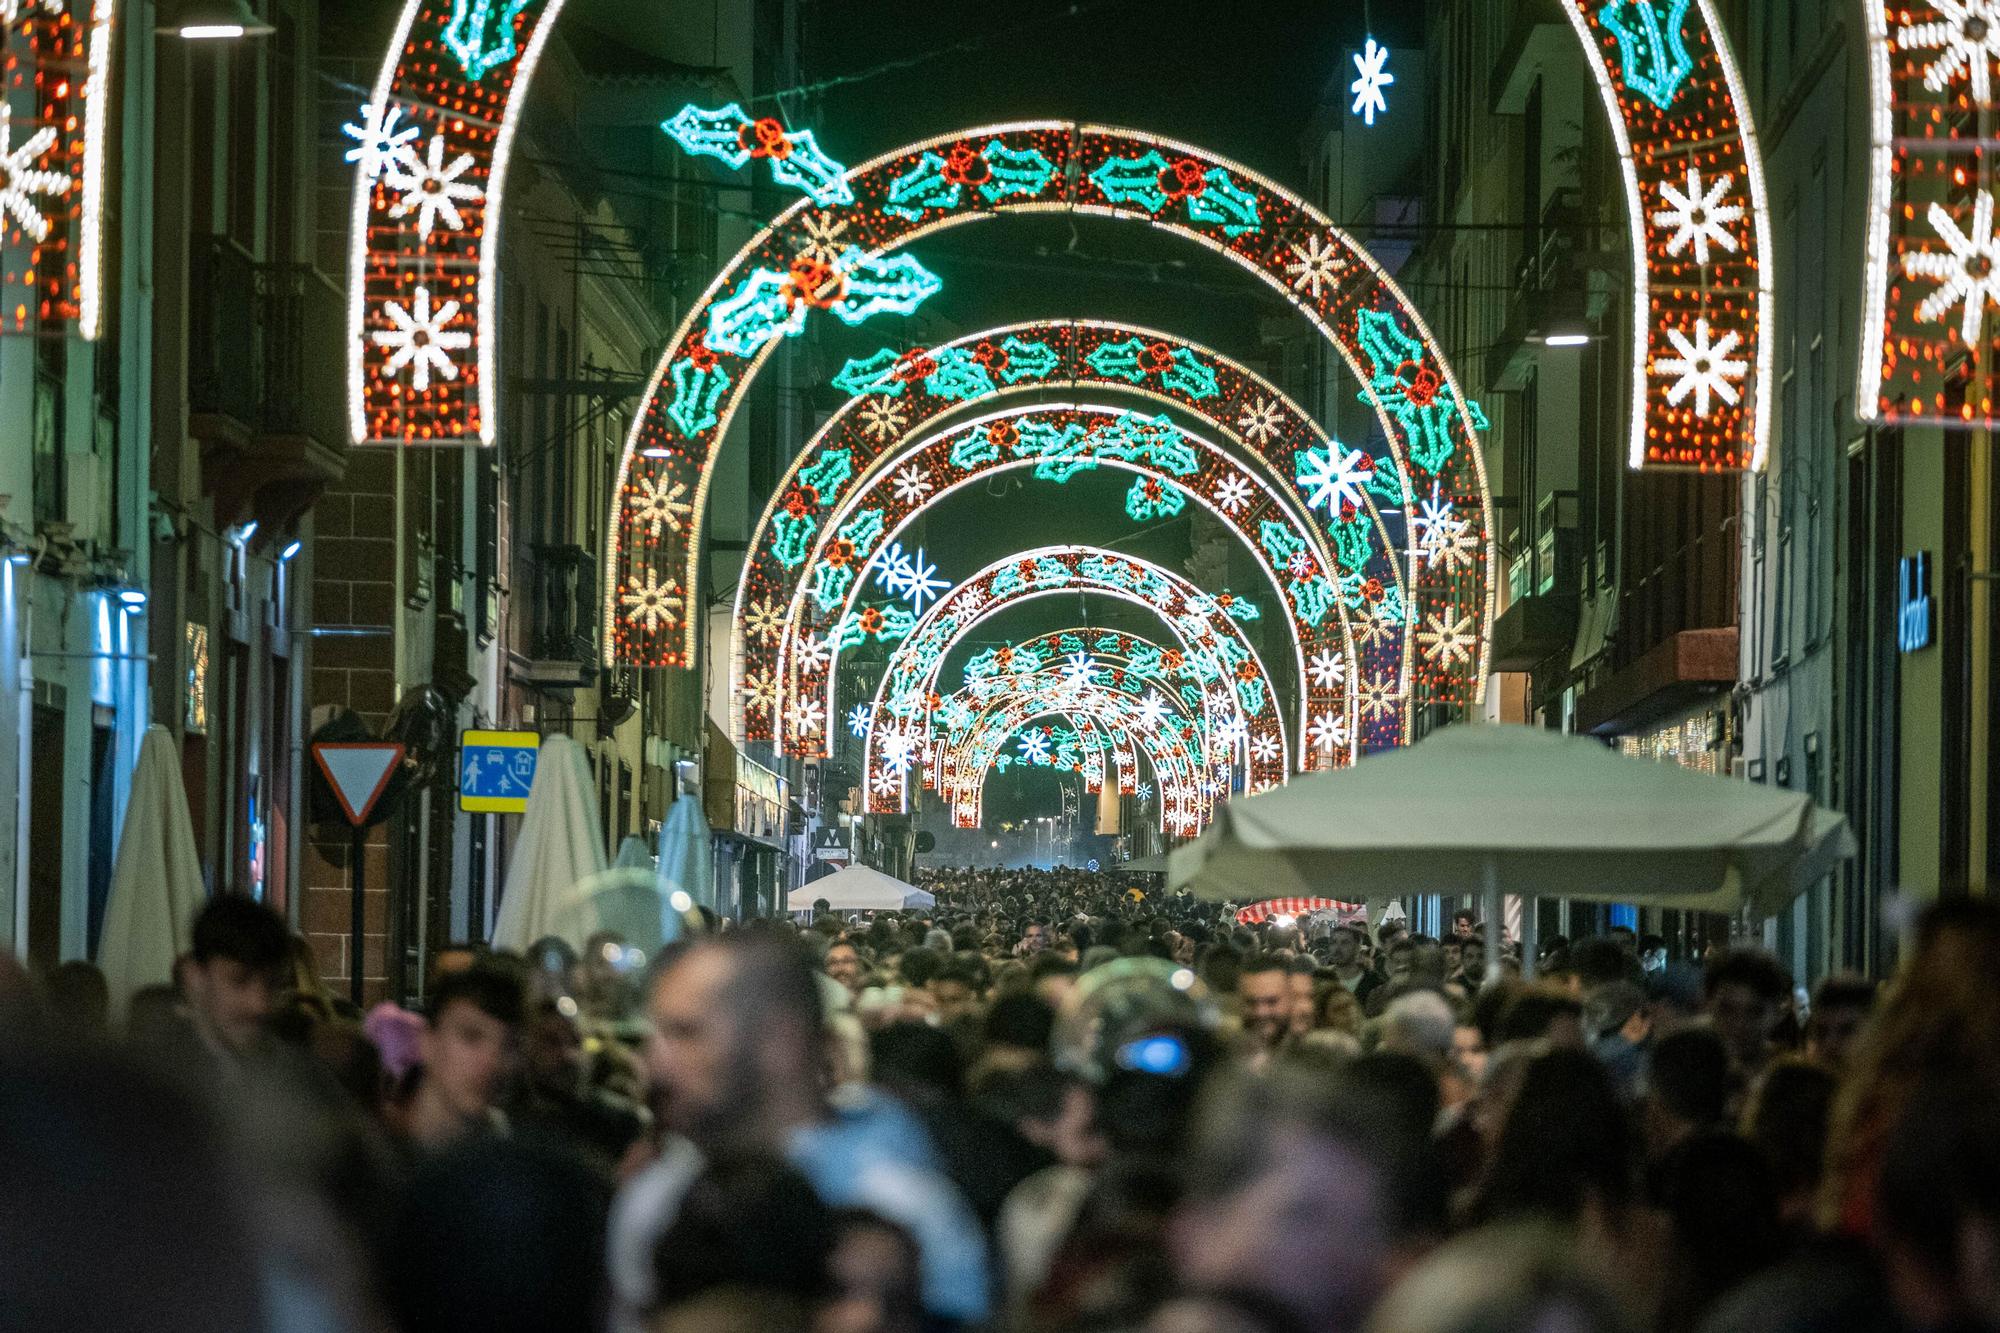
{"x":231,"y":979}
{"x":470,"y":1045}
{"x":738,"y":1058}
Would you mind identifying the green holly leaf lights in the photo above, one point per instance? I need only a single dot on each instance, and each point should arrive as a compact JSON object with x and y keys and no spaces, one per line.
{"x":1027,"y":361}
{"x":1150,"y":498}
{"x":699,"y":388}
{"x":1403,"y":383}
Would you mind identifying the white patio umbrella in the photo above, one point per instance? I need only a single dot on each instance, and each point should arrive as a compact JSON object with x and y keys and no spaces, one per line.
{"x":687,"y":851}
{"x":558,"y":847}
{"x":633,"y":854}
{"x":156,"y":886}
{"x":1518,"y":810}
{"x":859,"y":889}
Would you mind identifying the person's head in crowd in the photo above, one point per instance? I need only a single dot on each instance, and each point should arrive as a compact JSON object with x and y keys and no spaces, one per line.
{"x":843,"y":963}
{"x":1420,"y":1025}
{"x":1722,"y":1207}
{"x":471,"y":1042}
{"x":1464,"y":924}
{"x":1053,"y":1110}
{"x":1287,"y":1171}
{"x":1625,"y":938}
{"x":1052,"y":977}
{"x":1786,"y":1120}
{"x":1452,"y":949}
{"x":1743,"y":995}
{"x":1426,"y":961}
{"x":874,"y":1278}
{"x":1339,"y":1010}
{"x":955,"y":990}
{"x":1687,"y":1088}
{"x":918,"y":1062}
{"x":1840,"y":1007}
{"x":1016,"y":1030}
{"x":1220,"y":967}
{"x":552,"y":1048}
{"x":1034,"y":937}
{"x":736,"y":1050}
{"x":1472,"y":961}
{"x":1399,"y":958}
{"x":78,"y":1000}
{"x":1541,"y":1012}
{"x":1301,"y":993}
{"x":748,"y":1222}
{"x":1601,"y":961}
{"x":1525,"y":1277}
{"x":454,"y":957}
{"x":237,"y":963}
{"x":1565,"y":1148}
{"x":1264,"y":989}
{"x":1343,"y":950}
{"x":1652,"y":953}
{"x":918,"y":966}
{"x":1468,"y":1051}
{"x":1939,"y":1203}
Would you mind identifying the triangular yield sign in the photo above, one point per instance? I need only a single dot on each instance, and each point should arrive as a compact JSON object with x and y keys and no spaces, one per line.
{"x":357,"y":772}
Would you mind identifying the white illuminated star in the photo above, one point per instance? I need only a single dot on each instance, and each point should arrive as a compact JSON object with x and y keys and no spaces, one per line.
{"x":1447,"y":642}
{"x":1970,"y":270}
{"x":380,"y":139}
{"x":1331,"y":477}
{"x":1316,"y":266}
{"x":860,"y":718}
{"x":813,"y":653}
{"x":652,"y":603}
{"x":1327,"y":669}
{"x":1375,"y":697}
{"x":912,"y":484}
{"x":657,"y":503}
{"x":1704,"y":368}
{"x":1260,"y":421}
{"x":1967,"y":40}
{"x":1264,"y":747}
{"x":760,"y":692}
{"x":824,"y":238}
{"x":1231,"y":494}
{"x":1699,"y":217}
{"x":807,"y":717}
{"x":763,"y":620}
{"x":1369,"y":97}
{"x":21,"y":181}
{"x":420,"y":339}
{"x":882,"y":418}
{"x":431,"y":187}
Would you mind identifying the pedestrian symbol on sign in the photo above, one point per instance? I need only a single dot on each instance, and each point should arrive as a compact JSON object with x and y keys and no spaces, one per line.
{"x":496,"y":770}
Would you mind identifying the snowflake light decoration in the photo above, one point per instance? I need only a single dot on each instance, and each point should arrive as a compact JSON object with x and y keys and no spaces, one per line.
{"x":1704,"y":368}
{"x":420,"y":339}
{"x":1327,"y":732}
{"x":912,"y":484}
{"x":760,"y":691}
{"x":1967,"y":40}
{"x":1315,"y":266}
{"x":1152,"y":710}
{"x":886,"y":782}
{"x":1232,"y":494}
{"x":1264,"y":748}
{"x":1079,"y":671}
{"x":380,"y":139}
{"x":909,"y":575}
{"x":813,"y":653}
{"x":824,"y":237}
{"x":1144,"y":791}
{"x":1375,"y":697}
{"x":763,"y":620}
{"x":1033,"y":747}
{"x":1327,"y":669}
{"x":1699,"y":216}
{"x":883,"y":419}
{"x":21,"y":181}
{"x":1447,"y":641}
{"x":10,"y":10}
{"x":1332,"y":476}
{"x":1260,"y":421}
{"x":660,"y":504}
{"x":807,"y":717}
{"x":431,"y":187}
{"x":653,"y":603}
{"x":1370,"y":95}
{"x":1233,"y":731}
{"x":860,"y":718}
{"x":1968,"y":272}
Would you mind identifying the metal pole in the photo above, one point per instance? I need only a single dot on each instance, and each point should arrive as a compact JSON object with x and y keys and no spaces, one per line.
{"x":357,"y":877}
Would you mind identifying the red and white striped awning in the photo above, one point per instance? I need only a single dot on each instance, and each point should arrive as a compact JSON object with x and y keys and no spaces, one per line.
{"x":1258,"y":913}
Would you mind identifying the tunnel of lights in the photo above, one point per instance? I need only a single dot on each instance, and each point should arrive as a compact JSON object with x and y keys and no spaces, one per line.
{"x":872,"y":437}
{"x":907,"y":693}
{"x":1059,"y":441}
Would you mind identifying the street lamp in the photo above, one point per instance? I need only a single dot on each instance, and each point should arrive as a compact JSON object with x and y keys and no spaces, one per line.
{"x":212,"y":20}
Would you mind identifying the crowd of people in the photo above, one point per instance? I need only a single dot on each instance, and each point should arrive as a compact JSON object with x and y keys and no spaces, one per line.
{"x":1051,"y":1102}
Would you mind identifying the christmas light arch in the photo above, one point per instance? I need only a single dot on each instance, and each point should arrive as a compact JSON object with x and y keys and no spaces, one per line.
{"x":1175,"y":764}
{"x":1058,"y":441}
{"x":895,"y":396}
{"x":54,"y":147}
{"x":1107,"y":658}
{"x":1930,"y":351}
{"x":1702,"y":300}
{"x":1041,"y":167}
{"x":1198,"y":621}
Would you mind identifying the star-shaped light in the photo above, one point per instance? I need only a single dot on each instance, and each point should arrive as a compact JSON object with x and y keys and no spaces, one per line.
{"x":1704,"y":368}
{"x":1315,"y":265}
{"x":1698,"y":216}
{"x":653,"y":603}
{"x":1332,"y":476}
{"x":431,"y":187}
{"x":1232,"y":494}
{"x":420,"y":339}
{"x":21,"y":181}
{"x":659,"y":502}
{"x":1968,"y":272}
{"x":380,"y":139}
{"x":1370,"y":99}
{"x":1967,"y":40}
{"x":1327,"y":669}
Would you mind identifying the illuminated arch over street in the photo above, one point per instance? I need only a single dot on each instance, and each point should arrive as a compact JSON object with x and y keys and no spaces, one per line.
{"x":895,"y":397}
{"x":1699,"y":216}
{"x":1040,"y":167}
{"x":907,"y":692}
{"x":1060,"y":441}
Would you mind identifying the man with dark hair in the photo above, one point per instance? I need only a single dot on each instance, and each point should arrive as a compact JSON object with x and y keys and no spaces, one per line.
{"x":737,"y":1057}
{"x":1264,"y":991}
{"x":232,"y":976}
{"x":1743,"y":993}
{"x":844,"y":964}
{"x":471,"y":1036}
{"x":1840,"y":1008}
{"x":1687,"y":1089}
{"x":1289,"y":1169}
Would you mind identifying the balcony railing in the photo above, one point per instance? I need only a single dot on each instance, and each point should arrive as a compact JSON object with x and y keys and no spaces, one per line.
{"x":564,"y":628}
{"x":265,"y":345}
